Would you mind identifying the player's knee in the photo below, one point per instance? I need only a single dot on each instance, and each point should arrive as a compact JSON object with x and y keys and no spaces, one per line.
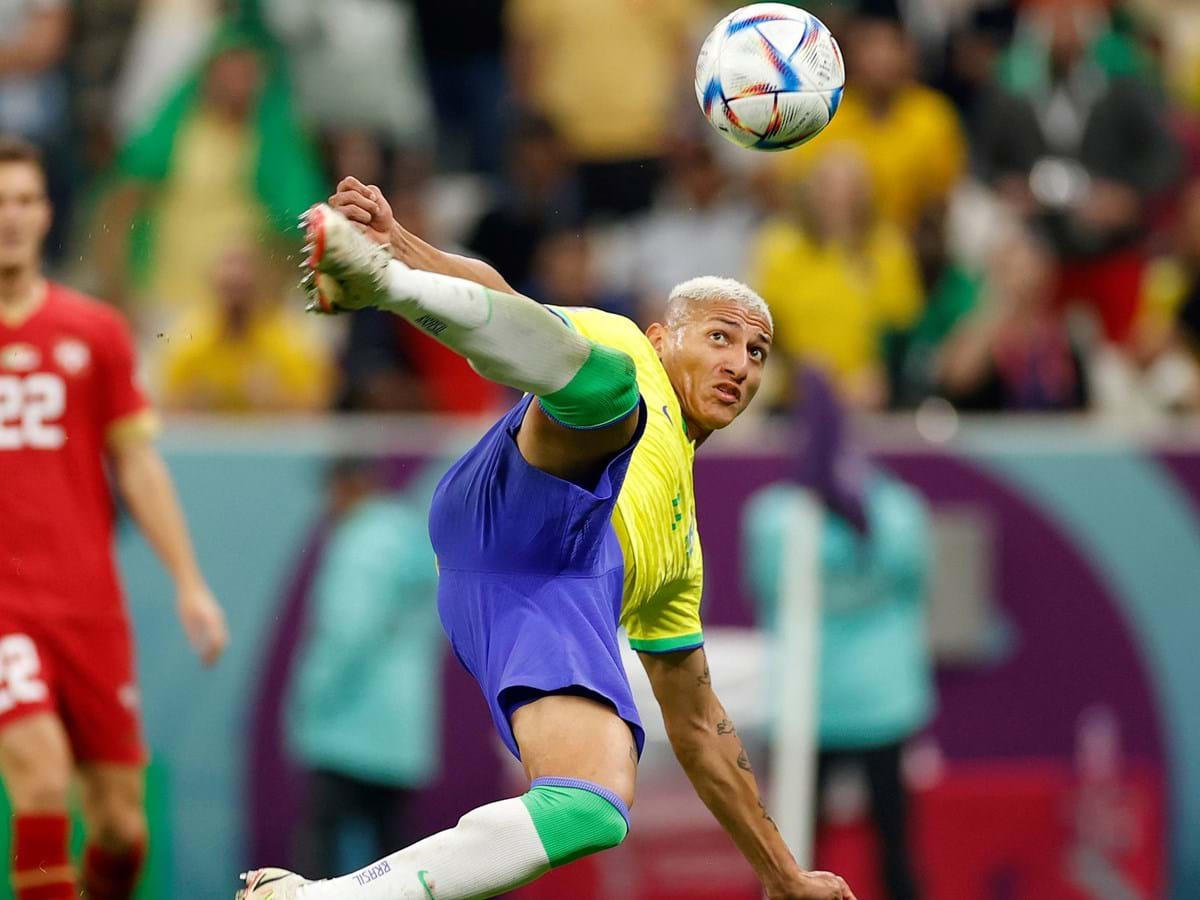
{"x":114,"y":809}
{"x":604,"y":391}
{"x":36,"y":788}
{"x":575,"y":818}
{"x":118,"y":826}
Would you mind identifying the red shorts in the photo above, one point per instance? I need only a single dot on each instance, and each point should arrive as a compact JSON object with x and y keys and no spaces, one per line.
{"x":83,"y":671}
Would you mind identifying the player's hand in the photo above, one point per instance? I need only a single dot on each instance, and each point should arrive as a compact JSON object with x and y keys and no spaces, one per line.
{"x":203,"y":622}
{"x":814,"y":886}
{"x":365,"y":205}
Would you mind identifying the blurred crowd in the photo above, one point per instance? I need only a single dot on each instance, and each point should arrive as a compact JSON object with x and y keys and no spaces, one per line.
{"x":1005,"y":212}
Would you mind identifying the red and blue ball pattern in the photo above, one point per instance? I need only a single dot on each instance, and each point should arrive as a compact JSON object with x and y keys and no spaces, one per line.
{"x":769,"y":76}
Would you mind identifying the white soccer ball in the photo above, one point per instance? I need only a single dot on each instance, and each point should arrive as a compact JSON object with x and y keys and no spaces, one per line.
{"x":770,"y":76}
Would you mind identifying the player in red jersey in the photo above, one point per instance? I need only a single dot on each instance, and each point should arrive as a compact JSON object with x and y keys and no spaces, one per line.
{"x":71,"y":413}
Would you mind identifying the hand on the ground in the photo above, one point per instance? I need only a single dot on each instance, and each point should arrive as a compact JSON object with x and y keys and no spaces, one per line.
{"x":365,"y":205}
{"x":203,"y":622}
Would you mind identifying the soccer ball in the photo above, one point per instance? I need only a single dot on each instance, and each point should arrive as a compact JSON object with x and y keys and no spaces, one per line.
{"x":770,"y":76}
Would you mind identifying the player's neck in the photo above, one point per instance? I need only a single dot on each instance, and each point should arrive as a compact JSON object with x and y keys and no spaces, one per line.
{"x":695,"y":432}
{"x":22,"y":291}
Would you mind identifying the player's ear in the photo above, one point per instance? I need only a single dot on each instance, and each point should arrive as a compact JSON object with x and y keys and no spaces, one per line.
{"x":657,"y":333}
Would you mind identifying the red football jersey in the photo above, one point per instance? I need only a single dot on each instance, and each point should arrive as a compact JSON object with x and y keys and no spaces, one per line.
{"x":66,"y":379}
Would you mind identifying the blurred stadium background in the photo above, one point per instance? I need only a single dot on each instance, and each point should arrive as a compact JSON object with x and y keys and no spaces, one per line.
{"x":994,"y":251}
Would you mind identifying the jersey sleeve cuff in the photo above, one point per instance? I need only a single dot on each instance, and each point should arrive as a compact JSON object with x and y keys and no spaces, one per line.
{"x":566,"y":320}
{"x":668,"y":644}
{"x":141,"y":425}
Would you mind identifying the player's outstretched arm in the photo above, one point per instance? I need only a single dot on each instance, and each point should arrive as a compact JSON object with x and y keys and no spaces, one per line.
{"x":711,"y":753}
{"x":146,"y":486}
{"x":365,"y":205}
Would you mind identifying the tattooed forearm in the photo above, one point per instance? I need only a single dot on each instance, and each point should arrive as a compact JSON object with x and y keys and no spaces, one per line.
{"x":725,"y":726}
{"x":766,"y":815}
{"x":743,"y":761}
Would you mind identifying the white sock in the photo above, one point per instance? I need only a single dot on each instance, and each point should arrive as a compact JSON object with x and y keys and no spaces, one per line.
{"x":493,"y":849}
{"x":506,"y":338}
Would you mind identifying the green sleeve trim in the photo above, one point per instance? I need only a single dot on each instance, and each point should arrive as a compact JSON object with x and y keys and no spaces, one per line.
{"x":562,"y":315}
{"x":573,"y":823}
{"x":668,"y":645}
{"x":604,"y":391}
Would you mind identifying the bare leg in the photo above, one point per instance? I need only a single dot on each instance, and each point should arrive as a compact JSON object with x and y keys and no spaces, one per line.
{"x":573,"y":737}
{"x":503,"y":845}
{"x":36,"y":764}
{"x":114,"y":808}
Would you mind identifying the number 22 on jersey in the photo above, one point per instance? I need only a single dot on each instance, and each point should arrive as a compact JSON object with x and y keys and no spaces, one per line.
{"x":30,"y":406}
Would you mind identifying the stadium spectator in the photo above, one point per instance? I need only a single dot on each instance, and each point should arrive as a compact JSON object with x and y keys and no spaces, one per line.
{"x":364,"y":707}
{"x":1161,"y":372}
{"x":1074,"y":136}
{"x":250,"y":352}
{"x":1013,"y":352}
{"x":572,"y":62}
{"x":565,"y":273}
{"x":700,"y":223}
{"x":832,"y":244}
{"x":908,"y":133}
{"x":99,"y":42}
{"x":182,"y":195}
{"x":1169,"y":34}
{"x":540,"y":193}
{"x":1176,"y":29}
{"x":876,"y":687}
{"x":463,"y":45}
{"x":169,"y":38}
{"x":327,"y":43}
{"x":358,"y":151}
{"x":34,"y":104}
{"x":951,"y":288}
{"x":971,"y":52}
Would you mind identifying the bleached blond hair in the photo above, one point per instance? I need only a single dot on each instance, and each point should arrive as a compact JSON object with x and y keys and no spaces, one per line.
{"x":711,"y":287}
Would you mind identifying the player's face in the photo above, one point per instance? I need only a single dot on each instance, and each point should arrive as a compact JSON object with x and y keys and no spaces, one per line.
{"x":715,"y":361}
{"x":24,"y":215}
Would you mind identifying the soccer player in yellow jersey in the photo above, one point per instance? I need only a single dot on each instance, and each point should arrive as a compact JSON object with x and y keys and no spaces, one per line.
{"x":574,"y":513}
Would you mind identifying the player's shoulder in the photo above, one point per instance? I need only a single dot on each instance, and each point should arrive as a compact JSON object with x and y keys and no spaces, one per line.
{"x":591,"y":317}
{"x":604,"y":327}
{"x":83,"y":309}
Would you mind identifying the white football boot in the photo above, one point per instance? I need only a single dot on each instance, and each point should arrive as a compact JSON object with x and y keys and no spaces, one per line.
{"x":270,"y":884}
{"x":345,"y":269}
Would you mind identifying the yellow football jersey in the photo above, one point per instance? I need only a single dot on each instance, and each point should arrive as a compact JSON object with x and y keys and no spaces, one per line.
{"x":655,"y":518}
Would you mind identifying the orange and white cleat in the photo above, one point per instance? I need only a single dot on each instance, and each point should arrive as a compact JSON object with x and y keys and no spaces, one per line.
{"x":345,"y":269}
{"x":270,"y":884}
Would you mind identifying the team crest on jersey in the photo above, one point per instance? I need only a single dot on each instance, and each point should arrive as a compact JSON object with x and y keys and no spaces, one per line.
{"x":72,"y":356}
{"x":19,"y":357}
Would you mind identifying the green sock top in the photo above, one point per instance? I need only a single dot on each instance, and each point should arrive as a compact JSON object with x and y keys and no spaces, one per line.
{"x":573,"y":822}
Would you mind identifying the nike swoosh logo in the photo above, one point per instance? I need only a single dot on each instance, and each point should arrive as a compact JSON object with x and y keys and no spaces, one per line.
{"x":428,"y":890}
{"x":267,"y":881}
{"x":667,"y":413}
